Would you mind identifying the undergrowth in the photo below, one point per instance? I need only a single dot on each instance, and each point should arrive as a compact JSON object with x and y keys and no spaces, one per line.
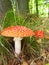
{"x":31,"y":49}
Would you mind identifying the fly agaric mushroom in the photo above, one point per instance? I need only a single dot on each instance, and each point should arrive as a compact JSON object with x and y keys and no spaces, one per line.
{"x":18,"y":32}
{"x":39,"y":34}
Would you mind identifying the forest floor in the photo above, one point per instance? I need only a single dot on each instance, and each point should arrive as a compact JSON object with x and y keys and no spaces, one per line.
{"x":27,"y":59}
{"x":28,"y":56}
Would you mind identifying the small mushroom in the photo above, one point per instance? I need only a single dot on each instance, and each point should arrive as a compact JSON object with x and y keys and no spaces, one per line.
{"x":18,"y":32}
{"x":39,"y":34}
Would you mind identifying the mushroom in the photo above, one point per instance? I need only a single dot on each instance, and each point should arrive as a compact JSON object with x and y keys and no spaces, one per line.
{"x":18,"y":32}
{"x":39,"y":34}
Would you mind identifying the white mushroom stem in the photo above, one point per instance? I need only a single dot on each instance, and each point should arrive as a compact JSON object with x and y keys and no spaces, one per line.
{"x":17,"y":45}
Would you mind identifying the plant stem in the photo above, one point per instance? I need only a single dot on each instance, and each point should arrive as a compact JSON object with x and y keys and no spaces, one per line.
{"x":14,"y":8}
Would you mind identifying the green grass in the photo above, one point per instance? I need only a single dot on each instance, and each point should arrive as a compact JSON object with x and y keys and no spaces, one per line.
{"x":29,"y":21}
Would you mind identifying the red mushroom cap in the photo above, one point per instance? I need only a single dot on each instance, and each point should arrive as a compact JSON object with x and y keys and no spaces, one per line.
{"x":17,"y":31}
{"x":39,"y":34}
